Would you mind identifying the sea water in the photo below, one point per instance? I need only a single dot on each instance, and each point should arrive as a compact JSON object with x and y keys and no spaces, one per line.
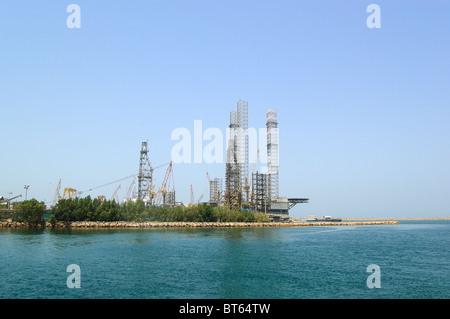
{"x":277,"y":263}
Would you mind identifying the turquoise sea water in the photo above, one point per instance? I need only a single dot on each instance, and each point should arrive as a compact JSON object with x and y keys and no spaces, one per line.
{"x":258,"y":263}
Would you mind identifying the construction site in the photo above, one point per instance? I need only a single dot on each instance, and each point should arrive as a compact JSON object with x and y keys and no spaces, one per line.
{"x":244,"y":189}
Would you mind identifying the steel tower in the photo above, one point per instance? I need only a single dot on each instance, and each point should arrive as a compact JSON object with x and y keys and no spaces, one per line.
{"x":145,"y":175}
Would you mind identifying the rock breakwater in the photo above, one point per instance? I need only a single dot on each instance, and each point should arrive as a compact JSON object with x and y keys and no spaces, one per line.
{"x":120,"y":224}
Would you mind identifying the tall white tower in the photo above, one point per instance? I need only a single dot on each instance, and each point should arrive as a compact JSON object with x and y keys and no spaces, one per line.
{"x":272,"y":152}
{"x":242,"y":141}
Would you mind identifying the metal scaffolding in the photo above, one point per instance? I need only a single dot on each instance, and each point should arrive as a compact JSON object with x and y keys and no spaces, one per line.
{"x":169,"y":199}
{"x":236,"y":174}
{"x":233,"y":194}
{"x":260,"y":191}
{"x":242,"y":141}
{"x":215,"y":191}
{"x":272,"y":152}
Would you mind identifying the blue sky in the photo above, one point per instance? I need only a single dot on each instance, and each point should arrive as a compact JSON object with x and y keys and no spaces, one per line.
{"x":363,"y":113}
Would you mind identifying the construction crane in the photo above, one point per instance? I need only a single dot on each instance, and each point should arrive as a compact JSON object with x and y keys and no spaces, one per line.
{"x":253,"y":172}
{"x":209,"y":180}
{"x":115,"y":196}
{"x":200,"y":198}
{"x":2,"y":199}
{"x":164,"y":186}
{"x":130,"y":188}
{"x":57,"y":195}
{"x":71,"y":193}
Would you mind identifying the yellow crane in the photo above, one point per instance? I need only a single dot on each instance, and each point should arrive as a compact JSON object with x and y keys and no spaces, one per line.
{"x":70,"y":193}
{"x":209,"y":180}
{"x":162,"y":191}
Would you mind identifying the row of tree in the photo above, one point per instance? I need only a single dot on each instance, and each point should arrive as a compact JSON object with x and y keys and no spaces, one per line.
{"x":88,"y":209}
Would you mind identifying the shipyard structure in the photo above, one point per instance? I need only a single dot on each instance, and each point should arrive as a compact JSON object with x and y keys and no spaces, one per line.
{"x":255,"y":191}
{"x":243,"y":189}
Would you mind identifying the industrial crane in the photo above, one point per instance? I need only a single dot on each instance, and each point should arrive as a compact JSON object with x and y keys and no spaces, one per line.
{"x":2,"y":199}
{"x":57,"y":195}
{"x":71,"y":193}
{"x":164,"y":186}
{"x":130,"y":188}
{"x":115,"y":196}
{"x":200,"y":198}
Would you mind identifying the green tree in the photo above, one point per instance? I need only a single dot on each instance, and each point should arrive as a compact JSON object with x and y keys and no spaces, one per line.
{"x":192,"y":214}
{"x":206,"y":213}
{"x":64,"y":210}
{"x":30,"y":211}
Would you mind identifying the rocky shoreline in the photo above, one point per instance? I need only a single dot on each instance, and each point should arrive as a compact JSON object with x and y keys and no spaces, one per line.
{"x":86,"y":224}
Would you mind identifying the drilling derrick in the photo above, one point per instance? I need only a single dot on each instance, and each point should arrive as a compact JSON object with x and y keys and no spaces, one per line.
{"x":233,"y":186}
{"x":242,"y":142}
{"x":272,"y":152}
{"x":145,"y":175}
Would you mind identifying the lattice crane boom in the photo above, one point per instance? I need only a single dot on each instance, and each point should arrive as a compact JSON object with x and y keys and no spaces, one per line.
{"x":131,"y":187}
{"x":163,"y":189}
{"x":115,"y":196}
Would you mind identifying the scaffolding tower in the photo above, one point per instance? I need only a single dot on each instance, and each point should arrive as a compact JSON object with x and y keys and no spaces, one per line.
{"x":232,"y":169}
{"x":242,"y":141}
{"x":260,"y":191}
{"x":145,"y":175}
{"x":272,"y":153}
{"x":236,"y":174}
{"x":215,"y":191}
{"x":169,"y":199}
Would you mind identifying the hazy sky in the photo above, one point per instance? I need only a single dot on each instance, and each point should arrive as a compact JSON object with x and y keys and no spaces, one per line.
{"x":363,"y":112}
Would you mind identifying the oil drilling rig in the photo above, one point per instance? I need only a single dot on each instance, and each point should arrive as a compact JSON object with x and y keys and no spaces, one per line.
{"x":260,"y":191}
